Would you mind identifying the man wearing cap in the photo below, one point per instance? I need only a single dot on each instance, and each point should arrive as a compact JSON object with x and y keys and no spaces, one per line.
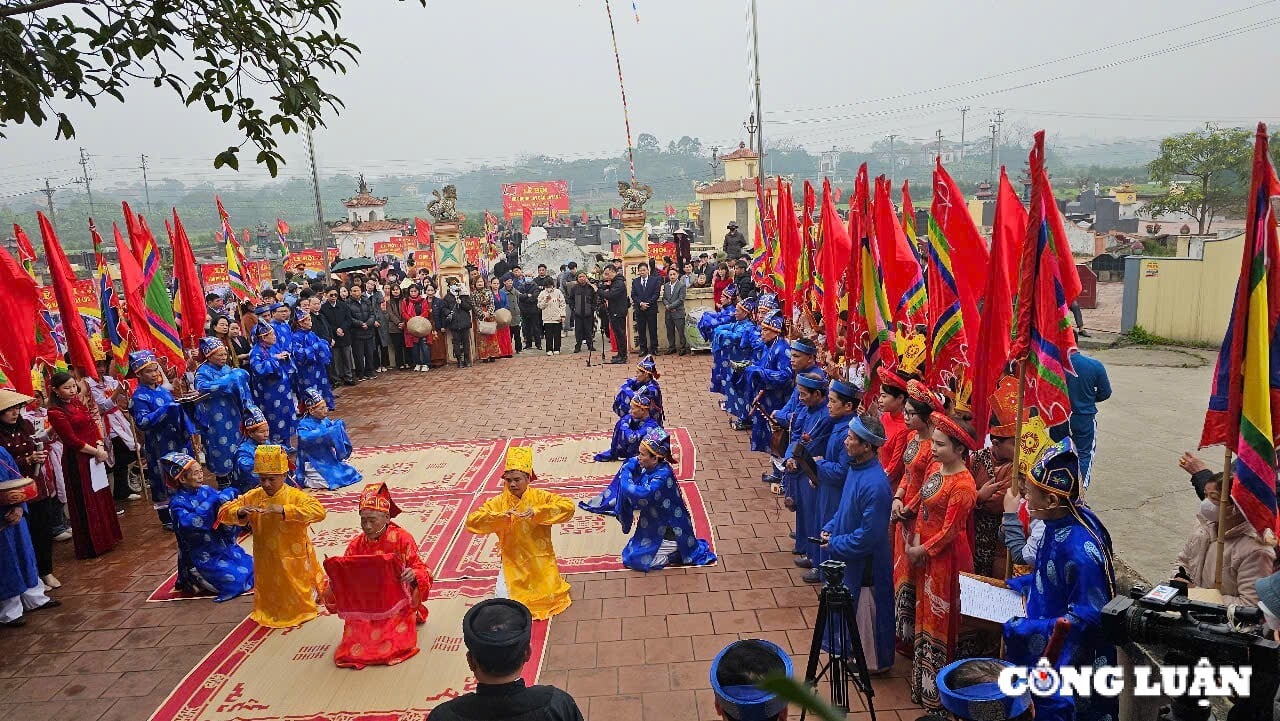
{"x":521,"y":517}
{"x":631,"y":429}
{"x":256,"y":432}
{"x":497,"y":634}
{"x":733,"y":346}
{"x":311,"y":357}
{"x":280,"y":315}
{"x":831,"y":467}
{"x":769,"y":381}
{"x":219,"y":414}
{"x":323,"y":447}
{"x":734,"y":242}
{"x":646,"y":381}
{"x":858,"y":535}
{"x":1073,"y":579}
{"x":736,"y":674}
{"x":803,"y":353}
{"x":363,"y":639}
{"x":287,"y":574}
{"x":810,"y":427}
{"x":210,"y":560}
{"x":163,"y":421}
{"x":272,"y":382}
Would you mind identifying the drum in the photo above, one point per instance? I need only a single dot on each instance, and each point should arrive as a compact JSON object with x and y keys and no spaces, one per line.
{"x":503,"y":317}
{"x":17,"y":490}
{"x":418,"y":327}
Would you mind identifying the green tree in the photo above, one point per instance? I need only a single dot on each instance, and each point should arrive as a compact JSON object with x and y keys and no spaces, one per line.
{"x":1212,"y":167}
{"x":237,"y":47}
{"x":648,"y":142}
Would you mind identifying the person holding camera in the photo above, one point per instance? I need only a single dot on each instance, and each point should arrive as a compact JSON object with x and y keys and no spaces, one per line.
{"x":582,"y":307}
{"x":455,"y":314}
{"x":613,"y":290}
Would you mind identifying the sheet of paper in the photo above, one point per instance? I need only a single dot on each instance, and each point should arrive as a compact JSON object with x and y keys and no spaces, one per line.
{"x":98,"y":474}
{"x":979,"y":599}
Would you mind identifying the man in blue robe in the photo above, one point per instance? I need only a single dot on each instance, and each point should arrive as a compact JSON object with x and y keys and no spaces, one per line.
{"x":810,"y":427}
{"x":737,"y":344}
{"x":257,"y":431}
{"x":164,"y":424}
{"x":858,"y":535}
{"x":1073,"y":579}
{"x":647,"y":496}
{"x":803,"y":354}
{"x":20,"y":585}
{"x":210,"y":561}
{"x":279,"y":318}
{"x":219,"y":415}
{"x":832,"y":464}
{"x":272,"y":382}
{"x":311,"y":357}
{"x":713,"y":319}
{"x":769,"y":380}
{"x":630,"y":430}
{"x":323,"y":447}
{"x":646,"y":380}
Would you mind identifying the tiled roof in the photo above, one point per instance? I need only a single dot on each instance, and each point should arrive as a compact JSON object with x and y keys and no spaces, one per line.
{"x":369,"y":226}
{"x":742,"y":153}
{"x":365,"y":200}
{"x":727,"y":186}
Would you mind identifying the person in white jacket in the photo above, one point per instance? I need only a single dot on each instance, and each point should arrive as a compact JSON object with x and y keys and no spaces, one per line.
{"x":551,"y":302}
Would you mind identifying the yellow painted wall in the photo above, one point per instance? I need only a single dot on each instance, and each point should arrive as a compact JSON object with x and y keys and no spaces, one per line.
{"x":739,"y":169}
{"x":722,"y":211}
{"x":975,"y":212}
{"x":1190,"y":300}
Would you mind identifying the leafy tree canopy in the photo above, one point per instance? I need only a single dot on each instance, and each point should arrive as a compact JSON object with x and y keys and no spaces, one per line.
{"x":1207,"y":171}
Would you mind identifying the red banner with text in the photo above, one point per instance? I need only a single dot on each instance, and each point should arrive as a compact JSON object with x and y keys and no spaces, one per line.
{"x":543,"y":198}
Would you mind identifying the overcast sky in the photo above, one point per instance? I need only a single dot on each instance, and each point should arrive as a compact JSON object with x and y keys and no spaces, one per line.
{"x":468,"y":81}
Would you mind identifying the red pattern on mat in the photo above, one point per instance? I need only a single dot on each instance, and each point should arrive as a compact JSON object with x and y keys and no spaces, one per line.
{"x":207,"y":682}
{"x":463,"y":560}
{"x":472,"y":480}
{"x":681,"y":444}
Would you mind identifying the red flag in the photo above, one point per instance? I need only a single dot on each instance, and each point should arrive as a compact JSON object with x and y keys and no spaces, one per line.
{"x":1007,"y":237}
{"x":189,"y":301}
{"x":838,"y":192}
{"x":132,"y":280}
{"x":527,"y":215}
{"x":968,"y":249}
{"x":789,"y":246}
{"x":134,"y":228}
{"x":903,"y":280}
{"x":425,"y":244}
{"x":26,"y":253}
{"x":584,"y":215}
{"x":63,"y":280}
{"x":18,"y":314}
{"x":833,"y":258}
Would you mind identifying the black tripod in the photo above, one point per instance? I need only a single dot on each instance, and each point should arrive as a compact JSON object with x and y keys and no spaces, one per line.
{"x":836,"y":632}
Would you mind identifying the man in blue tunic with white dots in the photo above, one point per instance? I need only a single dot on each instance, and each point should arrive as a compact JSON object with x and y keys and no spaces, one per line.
{"x":210,"y":561}
{"x":219,"y":414}
{"x":272,"y":381}
{"x":163,"y":421}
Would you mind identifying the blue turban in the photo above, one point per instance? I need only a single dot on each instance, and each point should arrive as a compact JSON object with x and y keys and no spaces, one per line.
{"x":748,"y":703}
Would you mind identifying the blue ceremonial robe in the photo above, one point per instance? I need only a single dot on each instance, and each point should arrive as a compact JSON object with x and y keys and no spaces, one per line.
{"x":860,"y":536}
{"x":209,"y":559}
{"x":629,"y":388}
{"x":272,"y":382}
{"x":627,"y":434}
{"x":771,"y":374}
{"x":1071,"y":579}
{"x":165,"y":429}
{"x":18,"y":573}
{"x":832,"y":471}
{"x":324,"y":447}
{"x":284,"y":336}
{"x":815,"y":425}
{"x":653,"y":502}
{"x":738,"y":342}
{"x":712,"y":320}
{"x":244,"y":478}
{"x":311,"y":355}
{"x":219,"y":415}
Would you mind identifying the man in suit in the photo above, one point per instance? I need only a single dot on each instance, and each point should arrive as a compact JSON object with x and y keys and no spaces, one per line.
{"x":673,"y":295}
{"x":613,"y":289}
{"x":338,"y":319}
{"x":645,"y":290}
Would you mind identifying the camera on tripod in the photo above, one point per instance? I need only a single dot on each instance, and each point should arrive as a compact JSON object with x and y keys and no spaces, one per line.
{"x":832,"y":572}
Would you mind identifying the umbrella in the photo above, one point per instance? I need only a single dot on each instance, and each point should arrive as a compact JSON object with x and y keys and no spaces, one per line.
{"x":346,"y":265}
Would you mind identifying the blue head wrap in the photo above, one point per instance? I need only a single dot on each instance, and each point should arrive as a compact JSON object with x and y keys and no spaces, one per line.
{"x":774,"y":322}
{"x":859,"y":429}
{"x":140,"y":359}
{"x":748,"y":703}
{"x":748,"y":304}
{"x":658,"y":441}
{"x":254,"y":417}
{"x":768,"y":300}
{"x":980,"y":701}
{"x":301,"y":313}
{"x":261,"y":329}
{"x":813,"y":384}
{"x":845,"y":388}
{"x":173,"y":465}
{"x":648,"y":365}
{"x":311,"y":398}
{"x":209,"y":344}
{"x":804,"y":345}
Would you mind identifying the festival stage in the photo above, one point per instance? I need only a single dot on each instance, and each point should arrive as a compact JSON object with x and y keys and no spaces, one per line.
{"x":256,"y":673}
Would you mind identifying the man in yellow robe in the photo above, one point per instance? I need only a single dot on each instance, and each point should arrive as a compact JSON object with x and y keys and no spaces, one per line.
{"x":286,"y":572}
{"x":522,"y":517}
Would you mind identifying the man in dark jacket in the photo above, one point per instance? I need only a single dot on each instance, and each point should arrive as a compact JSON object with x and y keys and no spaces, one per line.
{"x":734,"y":242}
{"x":364,"y":331}
{"x":338,"y":318}
{"x":645,"y":290}
{"x":614,"y":292}
{"x":742,"y":279}
{"x":530,"y":315}
{"x":455,"y":314}
{"x":582,"y":306}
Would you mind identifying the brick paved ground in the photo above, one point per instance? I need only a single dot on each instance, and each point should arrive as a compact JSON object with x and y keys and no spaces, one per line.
{"x":632,"y":646}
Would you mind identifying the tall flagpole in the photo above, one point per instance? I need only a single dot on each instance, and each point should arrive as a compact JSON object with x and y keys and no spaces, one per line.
{"x":755,"y":54}
{"x":315,"y":187}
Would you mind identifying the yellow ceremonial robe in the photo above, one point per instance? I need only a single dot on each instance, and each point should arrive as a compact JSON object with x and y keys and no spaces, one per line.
{"x":528,"y":558}
{"x":286,"y":573}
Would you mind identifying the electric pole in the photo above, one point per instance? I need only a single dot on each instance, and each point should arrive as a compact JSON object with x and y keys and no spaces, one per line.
{"x":145,"y":187}
{"x":893,"y":158}
{"x":315,"y":187}
{"x":991,"y":175}
{"x":939,"y":136}
{"x":48,"y":195}
{"x":755,"y":53}
{"x":84,"y":167}
{"x":999,"y":134}
{"x":963,"y":111}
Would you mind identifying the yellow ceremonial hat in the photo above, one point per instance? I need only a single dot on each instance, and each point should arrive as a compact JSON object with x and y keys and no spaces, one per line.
{"x":520,"y":458}
{"x":270,"y":459}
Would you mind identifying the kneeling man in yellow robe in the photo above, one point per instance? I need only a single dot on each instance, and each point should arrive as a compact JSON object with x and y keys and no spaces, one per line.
{"x":522,"y":517}
{"x":286,"y":572}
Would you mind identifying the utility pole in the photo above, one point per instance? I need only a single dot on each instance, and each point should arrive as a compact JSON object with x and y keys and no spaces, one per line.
{"x":48,"y":195}
{"x":755,"y":53}
{"x":315,"y":187}
{"x":715,"y":160}
{"x":145,"y":187}
{"x":963,"y":111}
{"x":84,"y":167}
{"x":999,"y":135}
{"x":893,"y":158}
{"x":939,"y":136}
{"x":991,"y":173}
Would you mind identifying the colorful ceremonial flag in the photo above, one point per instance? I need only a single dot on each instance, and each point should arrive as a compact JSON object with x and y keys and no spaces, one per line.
{"x":133,"y":282}
{"x":26,"y":253}
{"x":869,"y":316}
{"x":789,"y":246}
{"x":968,"y":249}
{"x":909,"y":219}
{"x":808,"y":245}
{"x":903,"y":280}
{"x":115,"y":333}
{"x":63,"y":281}
{"x":189,"y":311}
{"x":282,"y":233}
{"x":157,"y":301}
{"x":1048,"y":284}
{"x":237,"y":266}
{"x":19,"y":314}
{"x":46,"y":347}
{"x":948,"y":339}
{"x":1007,"y":237}
{"x":833,"y":259}
{"x":1244,"y":404}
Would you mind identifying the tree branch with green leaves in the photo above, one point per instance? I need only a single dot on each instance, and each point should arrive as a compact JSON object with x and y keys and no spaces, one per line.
{"x":256,"y":62}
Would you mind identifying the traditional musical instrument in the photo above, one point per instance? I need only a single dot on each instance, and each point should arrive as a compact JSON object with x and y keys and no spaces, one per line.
{"x":779,"y":435}
{"x":503,"y":317}
{"x":18,"y":490}
{"x":418,"y":327}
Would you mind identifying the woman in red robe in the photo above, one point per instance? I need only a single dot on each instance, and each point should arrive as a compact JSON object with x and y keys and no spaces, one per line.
{"x":95,"y":527}
{"x":387,"y":641}
{"x":917,"y":455}
{"x":501,"y":301}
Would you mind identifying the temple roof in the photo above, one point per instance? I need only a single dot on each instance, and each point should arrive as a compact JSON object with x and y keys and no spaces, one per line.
{"x":369,"y":226}
{"x":742,"y":153}
{"x":364,"y":198}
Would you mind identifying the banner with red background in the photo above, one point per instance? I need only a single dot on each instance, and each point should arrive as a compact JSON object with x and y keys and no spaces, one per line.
{"x":538,"y":197}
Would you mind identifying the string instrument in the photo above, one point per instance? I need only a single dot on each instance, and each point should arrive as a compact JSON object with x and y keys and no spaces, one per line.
{"x":780,"y":435}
